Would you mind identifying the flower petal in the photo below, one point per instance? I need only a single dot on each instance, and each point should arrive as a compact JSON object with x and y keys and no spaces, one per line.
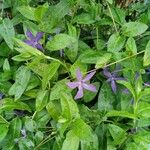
{"x":39,"y":35}
{"x":89,"y":76}
{"x":79,"y":74}
{"x":79,"y":93}
{"x":113,"y":86}
{"x":39,"y":46}
{"x":89,"y":87}
{"x":29,"y":42}
{"x":30,"y":35}
{"x":107,"y":73}
{"x":73,"y":85}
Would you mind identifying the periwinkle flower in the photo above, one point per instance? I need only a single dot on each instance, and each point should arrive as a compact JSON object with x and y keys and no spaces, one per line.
{"x":112,"y":77}
{"x":82,"y":84}
{"x":34,"y":40}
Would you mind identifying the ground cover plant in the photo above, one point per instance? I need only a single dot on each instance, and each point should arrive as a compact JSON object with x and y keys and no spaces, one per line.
{"x":75,"y":74}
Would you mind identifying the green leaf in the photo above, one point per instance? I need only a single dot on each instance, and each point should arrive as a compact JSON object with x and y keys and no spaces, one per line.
{"x":3,"y":120}
{"x":6,"y":66}
{"x":71,"y":141}
{"x":105,"y":98}
{"x":69,"y":107}
{"x":110,"y":1}
{"x":15,"y":128}
{"x":22,"y":79}
{"x":118,"y":134}
{"x":9,"y":104}
{"x":49,"y":72}
{"x":128,"y":86}
{"x":76,"y":65}
{"x":90,"y":57}
{"x":115,"y":43}
{"x":25,"y":56}
{"x":132,"y":29}
{"x":58,"y":88}
{"x":54,"y":16}
{"x":103,"y":60}
{"x":81,"y":129}
{"x":40,"y":11}
{"x":131,"y":46}
{"x":60,"y":41}
{"x":52,"y":110}
{"x":39,"y":137}
{"x":30,"y":124}
{"x":41,"y":100}
{"x":84,"y":18}
{"x":42,"y":118}
{"x":3,"y":131}
{"x":7,"y":32}
{"x":88,"y":95}
{"x":27,"y":12}
{"x":91,"y":144}
{"x":72,"y":51}
{"x":144,"y":109}
{"x":24,"y":48}
{"x":115,"y":113}
{"x":146,"y":60}
{"x":119,"y":15}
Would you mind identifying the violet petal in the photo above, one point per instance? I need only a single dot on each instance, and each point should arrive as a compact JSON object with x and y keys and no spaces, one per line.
{"x":28,"y":42}
{"x":79,"y":93}
{"x":89,"y":76}
{"x":30,"y":35}
{"x":89,"y":87}
{"x":73,"y":85}
{"x":39,"y":35}
{"x":39,"y":46}
{"x":113,"y":86}
{"x":107,"y":73}
{"x":79,"y":74}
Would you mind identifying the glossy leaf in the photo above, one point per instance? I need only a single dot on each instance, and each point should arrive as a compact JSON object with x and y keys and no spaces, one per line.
{"x":22,"y":79}
{"x":146,"y":60}
{"x":132,"y":29}
{"x":7,"y":32}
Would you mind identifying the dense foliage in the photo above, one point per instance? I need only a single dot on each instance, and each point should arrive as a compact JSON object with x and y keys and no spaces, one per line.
{"x":75,"y":74}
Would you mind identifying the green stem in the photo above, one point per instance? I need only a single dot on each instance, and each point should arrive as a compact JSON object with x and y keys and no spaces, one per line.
{"x":123,"y":59}
{"x":97,"y":37}
{"x":112,"y":17}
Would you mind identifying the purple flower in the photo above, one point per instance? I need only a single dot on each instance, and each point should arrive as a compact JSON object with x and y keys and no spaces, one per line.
{"x":112,"y":78}
{"x":81,"y":83}
{"x":34,"y":40}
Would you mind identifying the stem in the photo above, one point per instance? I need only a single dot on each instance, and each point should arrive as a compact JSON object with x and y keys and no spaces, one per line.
{"x":112,"y":17}
{"x":44,"y":141}
{"x":97,"y":37}
{"x":34,"y":115}
{"x":123,"y":59}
